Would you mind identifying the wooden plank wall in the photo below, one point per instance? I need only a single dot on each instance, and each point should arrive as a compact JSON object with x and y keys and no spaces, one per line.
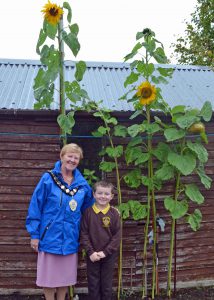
{"x":24,"y":157}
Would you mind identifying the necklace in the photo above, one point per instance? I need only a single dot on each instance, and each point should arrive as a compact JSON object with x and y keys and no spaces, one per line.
{"x":62,"y":187}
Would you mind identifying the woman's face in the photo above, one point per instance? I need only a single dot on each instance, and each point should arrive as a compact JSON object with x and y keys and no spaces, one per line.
{"x":70,"y":160}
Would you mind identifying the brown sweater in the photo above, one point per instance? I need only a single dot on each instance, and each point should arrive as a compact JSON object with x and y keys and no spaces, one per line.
{"x":100,"y":232}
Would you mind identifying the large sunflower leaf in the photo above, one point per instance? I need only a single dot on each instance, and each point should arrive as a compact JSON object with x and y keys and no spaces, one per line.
{"x":133,"y":178}
{"x":184,"y":163}
{"x":132,"y":153}
{"x":115,"y":152}
{"x":135,"y":129}
{"x":177,"y":208}
{"x":199,"y":150}
{"x":193,"y":193}
{"x":120,"y":130}
{"x":72,"y":41}
{"x":50,"y":30}
{"x":195,"y":219}
{"x":162,"y":151}
{"x":186,"y":121}
{"x":133,"y":77}
{"x":80,"y":70}
{"x":107,"y":166}
{"x":172,"y":134}
{"x":206,"y":111}
{"x":41,"y":40}
{"x":124,"y":210}
{"x":166,"y":172}
{"x":205,"y":180}
{"x":138,"y":210}
{"x":66,"y":5}
{"x":66,"y":122}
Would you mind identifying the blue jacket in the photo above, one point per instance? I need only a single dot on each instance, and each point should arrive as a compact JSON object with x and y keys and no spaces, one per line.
{"x":50,"y":218}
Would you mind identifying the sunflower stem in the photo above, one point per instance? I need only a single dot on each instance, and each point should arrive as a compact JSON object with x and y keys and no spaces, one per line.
{"x":61,"y":77}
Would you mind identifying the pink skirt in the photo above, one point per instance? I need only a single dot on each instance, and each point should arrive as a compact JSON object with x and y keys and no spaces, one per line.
{"x":56,"y":270}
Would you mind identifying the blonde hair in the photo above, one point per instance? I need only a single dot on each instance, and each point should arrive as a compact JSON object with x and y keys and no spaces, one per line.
{"x":73,"y":148}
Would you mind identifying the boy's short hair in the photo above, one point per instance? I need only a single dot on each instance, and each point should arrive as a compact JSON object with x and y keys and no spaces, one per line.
{"x":104,"y":184}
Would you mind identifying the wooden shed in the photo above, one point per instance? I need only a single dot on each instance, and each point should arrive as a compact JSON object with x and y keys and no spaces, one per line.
{"x":30,"y":144}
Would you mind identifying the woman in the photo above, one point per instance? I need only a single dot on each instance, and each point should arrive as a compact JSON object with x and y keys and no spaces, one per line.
{"x":53,"y":222}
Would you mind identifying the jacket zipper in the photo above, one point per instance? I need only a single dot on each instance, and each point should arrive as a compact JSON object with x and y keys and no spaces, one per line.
{"x":46,"y":228}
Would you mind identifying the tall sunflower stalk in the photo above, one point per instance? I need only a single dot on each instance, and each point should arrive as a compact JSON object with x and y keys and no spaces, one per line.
{"x":50,"y":47}
{"x":147,"y":98}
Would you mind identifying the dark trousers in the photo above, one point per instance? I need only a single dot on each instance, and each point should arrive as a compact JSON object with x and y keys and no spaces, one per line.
{"x":100,"y":277}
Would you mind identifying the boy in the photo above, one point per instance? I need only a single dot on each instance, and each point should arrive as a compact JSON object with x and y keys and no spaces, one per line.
{"x":100,"y":237}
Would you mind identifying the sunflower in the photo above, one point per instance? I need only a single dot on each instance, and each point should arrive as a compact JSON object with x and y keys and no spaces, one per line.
{"x":52,"y":13}
{"x":146,"y":93}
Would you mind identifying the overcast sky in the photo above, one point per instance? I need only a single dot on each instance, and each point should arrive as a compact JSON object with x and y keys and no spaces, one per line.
{"x":107,"y":28}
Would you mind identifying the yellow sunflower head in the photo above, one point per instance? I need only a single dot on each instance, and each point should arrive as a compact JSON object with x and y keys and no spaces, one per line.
{"x":146,"y":93}
{"x":52,"y":13}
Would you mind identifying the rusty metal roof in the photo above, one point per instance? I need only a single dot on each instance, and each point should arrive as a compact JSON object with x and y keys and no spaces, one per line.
{"x":189,"y":85}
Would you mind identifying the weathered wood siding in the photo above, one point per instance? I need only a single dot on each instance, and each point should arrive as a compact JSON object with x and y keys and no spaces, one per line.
{"x":29,"y":145}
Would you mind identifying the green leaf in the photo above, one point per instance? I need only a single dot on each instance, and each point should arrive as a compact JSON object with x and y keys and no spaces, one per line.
{"x":193,"y":193}
{"x":80,"y":70}
{"x":199,"y":150}
{"x":152,"y":128}
{"x":135,"y":141}
{"x":66,"y":122}
{"x":161,"y":152}
{"x":66,"y":5}
{"x":184,"y":163}
{"x":160,"y":56}
{"x":133,"y":178}
{"x":74,"y":28}
{"x":138,"y":210}
{"x":165,"y":71}
{"x":166,"y":172}
{"x":41,"y":40}
{"x":115,"y":152}
{"x":195,"y":220}
{"x":142,"y":158}
{"x":111,"y":120}
{"x":107,"y":166}
{"x":205,"y":180}
{"x":72,"y":41}
{"x":120,"y":130}
{"x":133,"y":52}
{"x":133,"y":77}
{"x":124,"y":210}
{"x":135,"y":129}
{"x":50,"y":30}
{"x":186,"y":121}
{"x":173,"y":134}
{"x":178,"y":109}
{"x":72,"y":91}
{"x":206,"y":111}
{"x":51,"y":58}
{"x":177,"y":209}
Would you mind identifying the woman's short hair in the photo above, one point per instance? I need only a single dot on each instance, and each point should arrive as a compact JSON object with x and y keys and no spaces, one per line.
{"x":73,"y":148}
{"x":104,"y":184}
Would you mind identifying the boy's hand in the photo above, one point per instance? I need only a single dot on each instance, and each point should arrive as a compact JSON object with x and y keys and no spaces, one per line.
{"x":94,"y":257}
{"x":101,"y":254}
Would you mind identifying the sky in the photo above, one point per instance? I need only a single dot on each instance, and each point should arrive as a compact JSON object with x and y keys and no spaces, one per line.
{"x":107,"y":29}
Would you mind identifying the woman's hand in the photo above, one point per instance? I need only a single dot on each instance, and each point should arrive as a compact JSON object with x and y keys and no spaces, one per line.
{"x":34,"y":243}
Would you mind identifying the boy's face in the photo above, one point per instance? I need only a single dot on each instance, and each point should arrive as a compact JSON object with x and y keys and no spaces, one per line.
{"x":103,"y":196}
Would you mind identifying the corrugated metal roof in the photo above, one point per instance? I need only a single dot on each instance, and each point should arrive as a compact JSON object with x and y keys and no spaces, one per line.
{"x":189,"y":85}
